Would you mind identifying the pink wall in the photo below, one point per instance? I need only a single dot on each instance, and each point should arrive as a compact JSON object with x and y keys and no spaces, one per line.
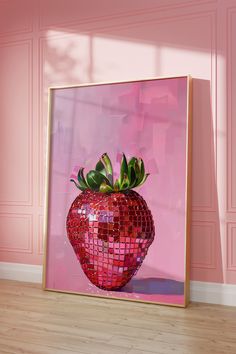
{"x":56,"y":42}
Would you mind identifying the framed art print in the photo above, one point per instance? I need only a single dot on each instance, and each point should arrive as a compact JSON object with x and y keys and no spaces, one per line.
{"x":118,"y":190}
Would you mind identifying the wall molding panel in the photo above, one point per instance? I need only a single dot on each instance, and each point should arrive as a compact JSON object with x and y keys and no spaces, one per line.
{"x":130,"y":15}
{"x":231,"y":246}
{"x":12,"y":225}
{"x":18,"y":49}
{"x":40,"y":235}
{"x":231,"y":110}
{"x":203,"y":245}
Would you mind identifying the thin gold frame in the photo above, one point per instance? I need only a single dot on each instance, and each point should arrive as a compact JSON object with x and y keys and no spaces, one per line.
{"x":187,"y":191}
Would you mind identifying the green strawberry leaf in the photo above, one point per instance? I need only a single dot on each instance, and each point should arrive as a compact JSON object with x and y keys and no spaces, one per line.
{"x":131,"y":176}
{"x":81,"y":179}
{"x":108,"y":167}
{"x":116,"y":187}
{"x":144,"y":179}
{"x":105,"y":188}
{"x":132,"y":161}
{"x":133,"y":164}
{"x":125,"y":183}
{"x":123,"y":168}
{"x":142,"y":171}
{"x":101,"y":168}
{"x":95,"y":179}
{"x":77,"y":185}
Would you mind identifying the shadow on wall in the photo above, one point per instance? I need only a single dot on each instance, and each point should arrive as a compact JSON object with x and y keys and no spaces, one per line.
{"x":206,"y":251}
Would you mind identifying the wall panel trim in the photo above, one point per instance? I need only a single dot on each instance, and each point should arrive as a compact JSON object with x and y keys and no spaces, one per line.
{"x":229,"y":95}
{"x":29,"y":44}
{"x":29,"y":248}
{"x":128,"y":14}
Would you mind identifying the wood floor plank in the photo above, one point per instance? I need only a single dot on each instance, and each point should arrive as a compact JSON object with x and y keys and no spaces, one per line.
{"x":24,"y":347}
{"x":41,"y":322}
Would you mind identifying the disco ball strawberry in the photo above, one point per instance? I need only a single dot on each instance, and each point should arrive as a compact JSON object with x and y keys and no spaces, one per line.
{"x":110,"y":226}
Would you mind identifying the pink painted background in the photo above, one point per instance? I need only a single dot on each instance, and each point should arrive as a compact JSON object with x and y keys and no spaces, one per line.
{"x":146,"y":119}
{"x":56,"y":42}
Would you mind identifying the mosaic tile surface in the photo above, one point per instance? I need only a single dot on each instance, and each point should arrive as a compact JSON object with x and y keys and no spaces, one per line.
{"x":110,"y":234}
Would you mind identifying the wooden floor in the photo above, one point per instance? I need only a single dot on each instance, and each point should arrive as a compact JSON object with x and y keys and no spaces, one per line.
{"x":33,"y":321}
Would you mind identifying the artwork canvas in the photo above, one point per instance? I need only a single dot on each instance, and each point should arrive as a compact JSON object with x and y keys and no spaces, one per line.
{"x":118,"y":190}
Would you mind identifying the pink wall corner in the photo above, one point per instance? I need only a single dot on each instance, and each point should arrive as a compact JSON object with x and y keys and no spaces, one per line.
{"x":55,"y":44}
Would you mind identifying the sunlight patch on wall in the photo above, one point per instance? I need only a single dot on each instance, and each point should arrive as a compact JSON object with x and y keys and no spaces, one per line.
{"x":78,"y":58}
{"x":67,"y":58}
{"x":182,"y":61}
{"x":121,"y":59}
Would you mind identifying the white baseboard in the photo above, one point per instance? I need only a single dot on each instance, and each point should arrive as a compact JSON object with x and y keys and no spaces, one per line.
{"x":212,"y":293}
{"x":21,"y":272}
